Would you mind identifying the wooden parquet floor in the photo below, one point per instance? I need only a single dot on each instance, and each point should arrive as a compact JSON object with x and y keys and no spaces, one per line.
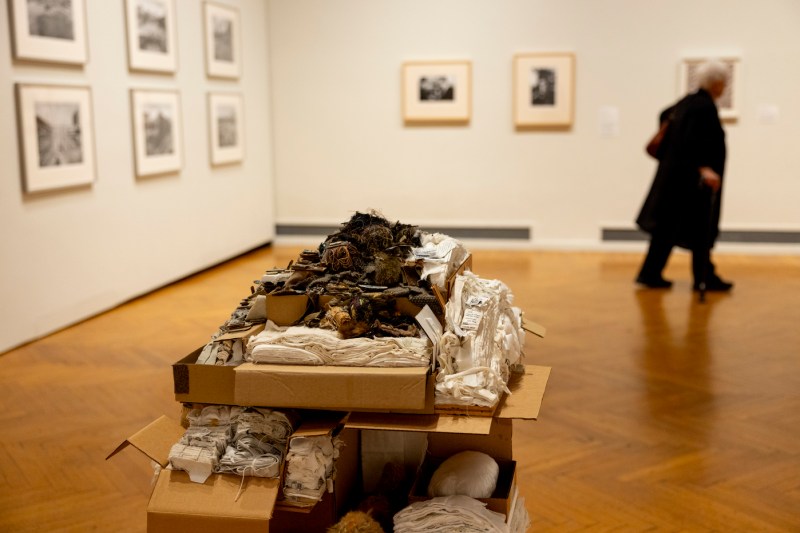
{"x":661,"y":413}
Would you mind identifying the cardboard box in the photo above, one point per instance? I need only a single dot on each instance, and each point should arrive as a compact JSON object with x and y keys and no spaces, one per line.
{"x":331,"y":387}
{"x":178,"y":504}
{"x":501,"y":499}
{"x":212,"y":384}
{"x":195,"y":383}
{"x":524,"y":403}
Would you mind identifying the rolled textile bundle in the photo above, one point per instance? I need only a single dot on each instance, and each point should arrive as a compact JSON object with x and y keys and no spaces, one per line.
{"x":469,"y":473}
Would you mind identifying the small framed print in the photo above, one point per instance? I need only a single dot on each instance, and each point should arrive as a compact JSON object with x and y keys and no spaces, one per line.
{"x":437,"y":92}
{"x":49,"y":30}
{"x":226,"y":128}
{"x":727,"y":104}
{"x":56,"y":136}
{"x":156,"y":131}
{"x":544,"y":87}
{"x":222,"y":41}
{"x":151,"y":35}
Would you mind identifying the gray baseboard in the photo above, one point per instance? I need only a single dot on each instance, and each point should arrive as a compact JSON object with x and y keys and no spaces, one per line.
{"x":508,"y":233}
{"x":737,"y":236}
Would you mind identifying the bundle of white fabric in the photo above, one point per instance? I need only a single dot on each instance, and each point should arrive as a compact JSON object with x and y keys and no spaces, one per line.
{"x":449,"y":513}
{"x":441,"y":255}
{"x":300,"y":345}
{"x":483,"y":338}
{"x":199,"y":449}
{"x":469,"y":473}
{"x":310,"y":467}
{"x":258,"y":444}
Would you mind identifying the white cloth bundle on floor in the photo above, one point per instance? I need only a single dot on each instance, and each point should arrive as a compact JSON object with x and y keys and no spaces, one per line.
{"x":299,"y":345}
{"x":309,"y":466}
{"x":483,"y":338}
{"x":469,"y":473}
{"x":449,"y":513}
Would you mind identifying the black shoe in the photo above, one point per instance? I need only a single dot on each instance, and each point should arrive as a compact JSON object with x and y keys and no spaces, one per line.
{"x":715,"y":284}
{"x":654,"y":283}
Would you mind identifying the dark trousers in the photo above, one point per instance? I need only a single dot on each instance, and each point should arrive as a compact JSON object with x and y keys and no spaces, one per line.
{"x":659,"y":252}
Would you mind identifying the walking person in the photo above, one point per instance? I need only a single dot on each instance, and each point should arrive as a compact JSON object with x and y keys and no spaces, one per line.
{"x":683,"y":205}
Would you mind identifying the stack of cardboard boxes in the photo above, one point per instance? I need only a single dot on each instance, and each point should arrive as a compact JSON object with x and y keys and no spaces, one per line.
{"x":341,"y":401}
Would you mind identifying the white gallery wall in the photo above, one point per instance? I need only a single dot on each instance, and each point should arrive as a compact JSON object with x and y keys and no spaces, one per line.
{"x":69,"y":254}
{"x":324,"y":136}
{"x":341,"y":145}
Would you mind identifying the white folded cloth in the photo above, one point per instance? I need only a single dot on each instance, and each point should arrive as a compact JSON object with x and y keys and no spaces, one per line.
{"x":300,"y":345}
{"x":460,"y":514}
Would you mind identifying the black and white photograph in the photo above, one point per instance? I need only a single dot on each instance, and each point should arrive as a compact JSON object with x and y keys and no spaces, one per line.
{"x":226,"y":128}
{"x":57,"y":141}
{"x":544,"y":89}
{"x":58,"y":133}
{"x":222,"y":41}
{"x":436,"y":88}
{"x":726,"y":104}
{"x":543,"y":86}
{"x":49,"y":30}
{"x":51,"y":18}
{"x":437,"y":92}
{"x":156,"y":131}
{"x":151,"y":35}
{"x":151,"y":22}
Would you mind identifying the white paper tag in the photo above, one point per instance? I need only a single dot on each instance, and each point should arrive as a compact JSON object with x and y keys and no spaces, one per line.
{"x":422,"y":253}
{"x":472,"y":319}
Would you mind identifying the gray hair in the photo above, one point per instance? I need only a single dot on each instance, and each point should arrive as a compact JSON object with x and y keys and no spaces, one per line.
{"x":711,"y":72}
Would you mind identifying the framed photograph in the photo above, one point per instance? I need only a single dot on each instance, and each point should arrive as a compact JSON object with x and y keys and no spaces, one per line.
{"x":226,"y":128}
{"x":544,"y":90}
{"x":223,"y":41}
{"x":728,"y":102}
{"x":56,"y":136}
{"x":151,"y":35}
{"x":49,"y":30}
{"x":437,"y":92}
{"x":156,"y":131}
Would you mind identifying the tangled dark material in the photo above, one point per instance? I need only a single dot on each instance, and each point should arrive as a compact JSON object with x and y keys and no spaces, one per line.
{"x":360,"y":280}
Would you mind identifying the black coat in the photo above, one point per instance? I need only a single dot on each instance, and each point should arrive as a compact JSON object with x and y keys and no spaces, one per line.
{"x":677,"y":206}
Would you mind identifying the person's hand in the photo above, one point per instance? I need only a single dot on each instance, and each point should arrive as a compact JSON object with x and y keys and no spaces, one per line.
{"x":709,"y":178}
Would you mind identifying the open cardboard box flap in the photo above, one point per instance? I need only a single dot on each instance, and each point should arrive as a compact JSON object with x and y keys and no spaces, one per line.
{"x":527,"y":391}
{"x":524,"y":403}
{"x":154,"y":440}
{"x":223,"y":502}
